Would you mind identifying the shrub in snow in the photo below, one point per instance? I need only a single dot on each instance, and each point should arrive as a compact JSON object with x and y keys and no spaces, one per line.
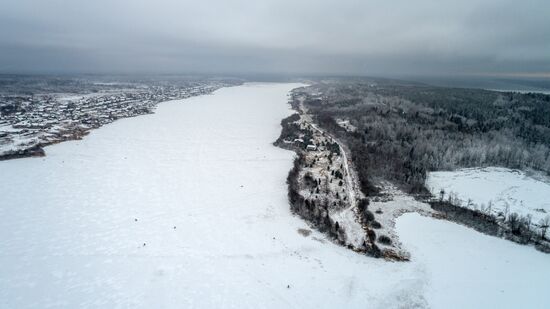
{"x":363,"y":204}
{"x":544,"y":224}
{"x":368,"y":215}
{"x":375,"y":251}
{"x":375,"y":224}
{"x":371,"y":235}
{"x":383,"y":239}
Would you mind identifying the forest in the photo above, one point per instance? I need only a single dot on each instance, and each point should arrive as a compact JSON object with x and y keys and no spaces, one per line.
{"x":403,"y":130}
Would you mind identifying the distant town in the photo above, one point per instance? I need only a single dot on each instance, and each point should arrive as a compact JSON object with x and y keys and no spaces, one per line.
{"x":40,"y":117}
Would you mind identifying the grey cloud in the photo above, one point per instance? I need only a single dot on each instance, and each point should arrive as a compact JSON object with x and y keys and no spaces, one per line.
{"x":270,"y":36}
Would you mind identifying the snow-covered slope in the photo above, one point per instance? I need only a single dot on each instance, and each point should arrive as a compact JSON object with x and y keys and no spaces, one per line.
{"x":499,"y":186}
{"x":187,"y":208}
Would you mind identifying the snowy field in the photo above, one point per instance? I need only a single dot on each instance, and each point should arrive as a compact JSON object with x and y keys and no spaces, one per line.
{"x":522,"y":193}
{"x":187,"y":208}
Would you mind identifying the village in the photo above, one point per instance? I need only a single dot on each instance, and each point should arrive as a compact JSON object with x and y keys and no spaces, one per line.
{"x":324,"y":190}
{"x":30,"y":122}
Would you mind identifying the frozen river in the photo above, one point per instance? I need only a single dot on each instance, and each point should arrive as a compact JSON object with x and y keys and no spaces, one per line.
{"x":187,"y":208}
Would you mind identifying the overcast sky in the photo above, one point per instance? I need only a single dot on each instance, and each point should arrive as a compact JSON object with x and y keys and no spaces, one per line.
{"x":362,"y":37}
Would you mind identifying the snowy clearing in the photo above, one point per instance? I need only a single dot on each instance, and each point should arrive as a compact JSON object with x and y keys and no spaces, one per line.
{"x":524,"y":194}
{"x":389,"y":208}
{"x":187,"y":208}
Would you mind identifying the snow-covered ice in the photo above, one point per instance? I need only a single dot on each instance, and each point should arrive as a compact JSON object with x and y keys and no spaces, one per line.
{"x":187,"y":208}
{"x":467,"y":269}
{"x":523,"y":193}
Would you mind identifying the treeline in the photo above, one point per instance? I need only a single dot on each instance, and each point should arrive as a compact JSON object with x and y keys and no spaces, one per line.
{"x":511,"y":226}
{"x":315,"y":212}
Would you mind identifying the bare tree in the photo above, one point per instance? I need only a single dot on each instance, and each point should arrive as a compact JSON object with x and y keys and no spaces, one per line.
{"x":544,"y":224}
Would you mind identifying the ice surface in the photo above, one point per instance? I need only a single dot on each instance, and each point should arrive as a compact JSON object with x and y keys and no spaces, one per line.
{"x":188,"y":208}
{"x":468,"y":269}
{"x":501,"y":186}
